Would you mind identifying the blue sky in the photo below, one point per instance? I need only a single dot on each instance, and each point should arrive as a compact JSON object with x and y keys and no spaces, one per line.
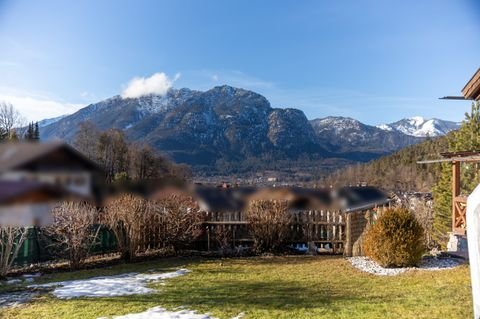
{"x":377,"y":61}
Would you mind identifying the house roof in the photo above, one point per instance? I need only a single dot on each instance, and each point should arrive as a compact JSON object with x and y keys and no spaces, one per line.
{"x":348,"y":199}
{"x":299,"y":197}
{"x":361,"y":198}
{"x":22,"y":154}
{"x":222,"y":199}
{"x":471,"y":91}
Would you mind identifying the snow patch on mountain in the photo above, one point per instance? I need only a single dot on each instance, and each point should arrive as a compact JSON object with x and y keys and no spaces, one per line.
{"x":385,"y":127}
{"x":46,"y":122}
{"x":338,"y":123}
{"x":155,"y":103}
{"x":421,"y":127}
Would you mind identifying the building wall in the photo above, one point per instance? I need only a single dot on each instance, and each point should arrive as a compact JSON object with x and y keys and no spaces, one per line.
{"x":21,"y":215}
{"x":75,"y":182}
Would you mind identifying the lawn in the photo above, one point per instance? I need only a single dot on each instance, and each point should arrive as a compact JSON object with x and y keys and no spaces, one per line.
{"x":277,"y":287}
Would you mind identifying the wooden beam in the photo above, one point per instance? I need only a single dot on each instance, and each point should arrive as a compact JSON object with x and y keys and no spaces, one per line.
{"x":440,"y":160}
{"x":455,"y":190}
{"x":465,"y":159}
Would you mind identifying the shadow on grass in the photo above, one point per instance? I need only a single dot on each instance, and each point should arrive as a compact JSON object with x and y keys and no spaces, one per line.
{"x":244,"y":295}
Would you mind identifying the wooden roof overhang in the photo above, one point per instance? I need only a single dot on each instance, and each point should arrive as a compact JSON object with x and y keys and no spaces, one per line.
{"x":471,"y":91}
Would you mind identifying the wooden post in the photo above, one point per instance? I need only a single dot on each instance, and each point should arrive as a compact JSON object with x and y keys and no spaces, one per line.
{"x":234,"y":236}
{"x":347,"y":250}
{"x":455,"y":191}
{"x":208,"y":238}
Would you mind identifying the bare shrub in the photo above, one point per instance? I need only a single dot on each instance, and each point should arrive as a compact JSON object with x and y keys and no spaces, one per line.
{"x":422,"y":208}
{"x":395,"y":240}
{"x":126,"y":216}
{"x":424,"y":213}
{"x":74,"y":231}
{"x":11,"y":239}
{"x":182,"y":220}
{"x":223,"y":238}
{"x":269,"y":223}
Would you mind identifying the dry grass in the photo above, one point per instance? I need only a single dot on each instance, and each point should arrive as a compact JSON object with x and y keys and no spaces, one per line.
{"x":279,"y":287}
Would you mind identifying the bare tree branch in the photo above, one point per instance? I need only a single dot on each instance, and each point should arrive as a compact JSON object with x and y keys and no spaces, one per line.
{"x":10,"y":119}
{"x":11,"y":239}
{"x":269,"y":224}
{"x":74,"y":231}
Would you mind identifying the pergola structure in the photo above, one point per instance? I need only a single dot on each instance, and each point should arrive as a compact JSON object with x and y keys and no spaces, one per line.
{"x":469,"y":209}
{"x":459,"y":201}
{"x":471,"y":91}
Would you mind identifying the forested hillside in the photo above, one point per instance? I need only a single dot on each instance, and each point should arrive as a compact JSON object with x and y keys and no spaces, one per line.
{"x":398,"y":171}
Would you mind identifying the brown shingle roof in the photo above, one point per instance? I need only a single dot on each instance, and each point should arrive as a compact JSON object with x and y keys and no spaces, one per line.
{"x":15,"y":155}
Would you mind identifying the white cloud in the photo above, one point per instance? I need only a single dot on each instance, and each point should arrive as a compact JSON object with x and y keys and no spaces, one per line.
{"x":158,"y":83}
{"x":215,"y":78}
{"x":36,"y":108}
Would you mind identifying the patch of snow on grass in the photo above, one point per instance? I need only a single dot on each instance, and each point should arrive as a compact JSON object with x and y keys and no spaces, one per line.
{"x":14,"y":281}
{"x":428,"y":263}
{"x":109,"y":286}
{"x":162,"y":313}
{"x":239,"y":316}
{"x":16,"y":299}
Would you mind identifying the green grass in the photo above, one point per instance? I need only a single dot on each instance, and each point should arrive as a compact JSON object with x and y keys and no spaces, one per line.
{"x":279,"y":287}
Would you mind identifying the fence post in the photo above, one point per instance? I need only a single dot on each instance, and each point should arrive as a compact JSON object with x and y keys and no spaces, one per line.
{"x":208,"y":238}
{"x":348,"y":235}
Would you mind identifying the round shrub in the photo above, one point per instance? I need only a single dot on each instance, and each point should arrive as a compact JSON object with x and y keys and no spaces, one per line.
{"x":395,"y":240}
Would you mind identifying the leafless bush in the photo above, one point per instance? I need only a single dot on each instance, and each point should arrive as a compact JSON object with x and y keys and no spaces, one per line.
{"x":424,"y":214}
{"x":11,"y":239}
{"x":182,"y":220}
{"x":173,"y":222}
{"x":74,"y":231}
{"x":269,"y":224}
{"x":223,"y":237}
{"x":422,"y":208}
{"x":127,"y":216}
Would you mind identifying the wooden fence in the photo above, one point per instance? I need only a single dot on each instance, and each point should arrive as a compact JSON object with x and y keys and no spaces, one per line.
{"x":324,"y":228}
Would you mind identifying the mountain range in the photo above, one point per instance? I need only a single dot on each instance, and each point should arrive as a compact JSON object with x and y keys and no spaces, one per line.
{"x":234,"y":125}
